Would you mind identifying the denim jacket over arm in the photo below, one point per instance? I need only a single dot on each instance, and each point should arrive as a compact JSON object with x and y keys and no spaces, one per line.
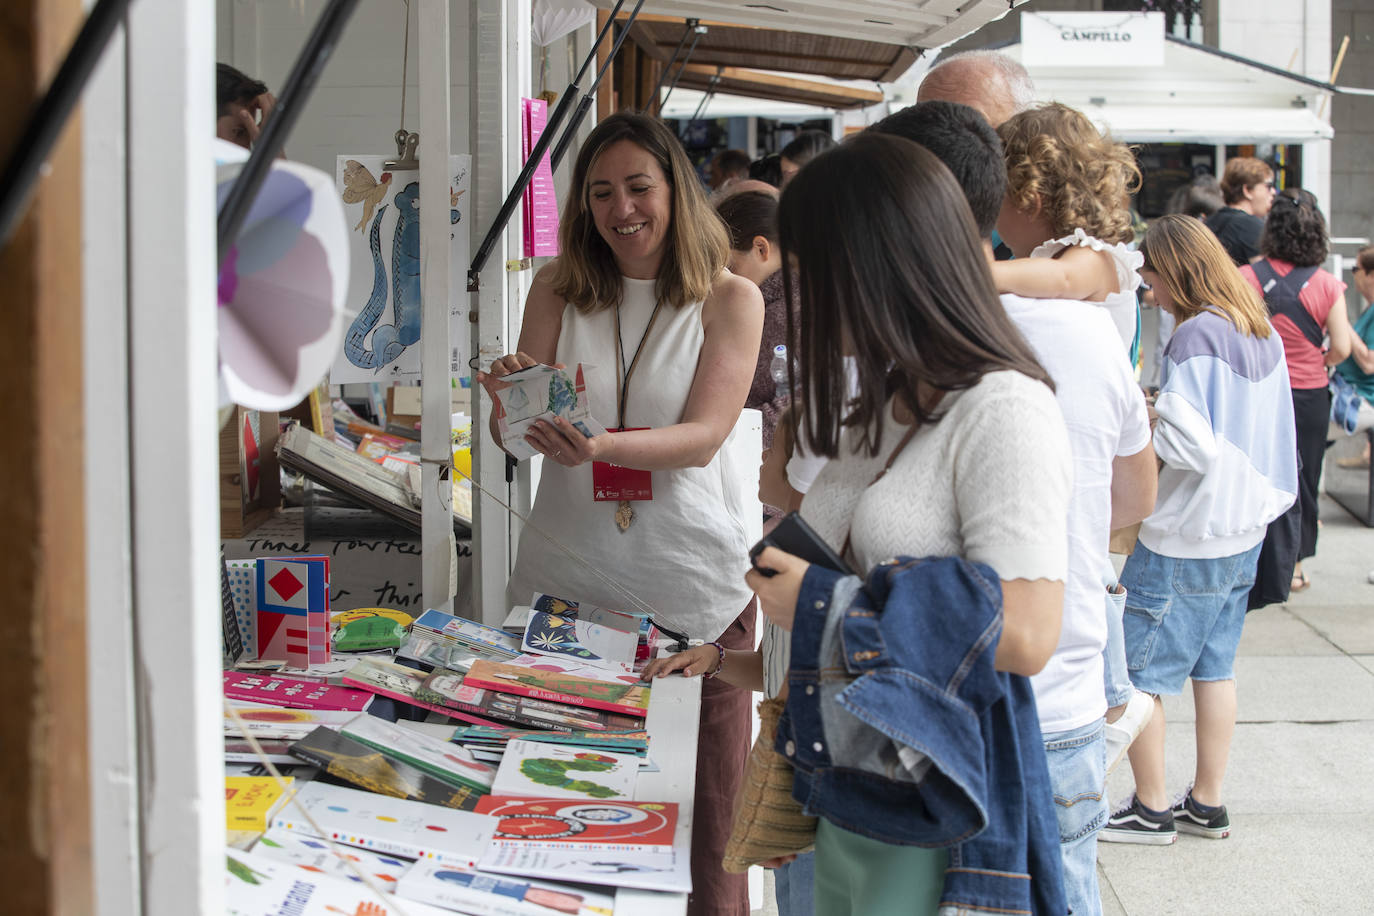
{"x":906,"y":661}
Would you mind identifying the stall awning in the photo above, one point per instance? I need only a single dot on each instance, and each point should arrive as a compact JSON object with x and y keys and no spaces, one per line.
{"x":777,"y":86}
{"x":731,"y":45}
{"x":1199,"y":95}
{"x":916,"y":24}
{"x":1159,"y":124}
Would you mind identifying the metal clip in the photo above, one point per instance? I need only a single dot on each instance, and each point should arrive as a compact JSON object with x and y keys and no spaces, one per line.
{"x":407,"y":142}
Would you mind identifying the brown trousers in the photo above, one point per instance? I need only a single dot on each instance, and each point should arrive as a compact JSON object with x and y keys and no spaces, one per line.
{"x":722,"y":748}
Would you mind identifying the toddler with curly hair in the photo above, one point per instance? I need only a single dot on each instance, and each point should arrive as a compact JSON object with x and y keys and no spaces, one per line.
{"x":1067,"y":215}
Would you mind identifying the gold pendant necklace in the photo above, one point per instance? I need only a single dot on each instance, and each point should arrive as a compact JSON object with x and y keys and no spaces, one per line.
{"x":624,"y":515}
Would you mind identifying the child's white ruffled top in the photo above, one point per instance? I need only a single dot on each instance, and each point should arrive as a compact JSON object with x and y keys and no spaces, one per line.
{"x":1121,"y":306}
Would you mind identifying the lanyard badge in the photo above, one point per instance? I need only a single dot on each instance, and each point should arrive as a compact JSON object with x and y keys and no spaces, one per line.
{"x":611,"y":482}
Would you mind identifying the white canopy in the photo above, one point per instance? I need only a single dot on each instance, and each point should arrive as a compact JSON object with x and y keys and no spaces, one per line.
{"x":1198,"y":96}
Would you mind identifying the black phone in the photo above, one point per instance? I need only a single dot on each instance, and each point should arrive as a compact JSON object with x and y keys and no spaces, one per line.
{"x":793,"y":535}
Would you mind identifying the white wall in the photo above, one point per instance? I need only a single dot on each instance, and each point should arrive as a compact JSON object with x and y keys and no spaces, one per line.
{"x":1292,"y":34}
{"x":355,"y":107}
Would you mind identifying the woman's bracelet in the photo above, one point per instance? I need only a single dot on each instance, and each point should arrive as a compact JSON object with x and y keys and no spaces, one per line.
{"x":720,"y":663}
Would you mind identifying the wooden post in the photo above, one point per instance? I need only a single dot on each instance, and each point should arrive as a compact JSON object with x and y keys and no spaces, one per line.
{"x":45,"y":866}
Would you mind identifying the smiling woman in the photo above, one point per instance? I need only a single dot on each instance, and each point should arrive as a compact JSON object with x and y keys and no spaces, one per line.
{"x":641,"y":292}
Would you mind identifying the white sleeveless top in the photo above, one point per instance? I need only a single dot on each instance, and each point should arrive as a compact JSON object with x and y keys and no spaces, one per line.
{"x":1121,"y":306}
{"x":686,"y":553}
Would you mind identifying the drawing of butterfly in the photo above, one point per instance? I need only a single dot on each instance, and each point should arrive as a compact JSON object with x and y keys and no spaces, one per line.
{"x":361,"y":187}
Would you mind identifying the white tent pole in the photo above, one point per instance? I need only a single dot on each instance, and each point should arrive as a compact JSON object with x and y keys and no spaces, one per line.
{"x":436,"y":451}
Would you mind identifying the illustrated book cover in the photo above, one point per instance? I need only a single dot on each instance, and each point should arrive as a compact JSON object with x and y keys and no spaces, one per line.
{"x":314,"y":854}
{"x":403,"y":683}
{"x":557,"y":822}
{"x":480,"y":894}
{"x":612,"y":695}
{"x":256,"y":884}
{"x":251,"y":801}
{"x":367,"y":768}
{"x":608,"y":619}
{"x":481,"y":706}
{"x":468,"y":631}
{"x":282,"y":722}
{"x":441,"y":759}
{"x":654,"y":871}
{"x":279,"y":690}
{"x":293,"y":610}
{"x":622,"y":742}
{"x":534,"y":769}
{"x":396,"y":826}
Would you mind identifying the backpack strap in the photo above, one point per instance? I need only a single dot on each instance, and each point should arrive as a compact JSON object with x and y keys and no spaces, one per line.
{"x":1281,"y":295}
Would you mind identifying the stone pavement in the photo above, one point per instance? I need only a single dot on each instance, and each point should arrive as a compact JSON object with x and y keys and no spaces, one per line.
{"x":1300,"y":785}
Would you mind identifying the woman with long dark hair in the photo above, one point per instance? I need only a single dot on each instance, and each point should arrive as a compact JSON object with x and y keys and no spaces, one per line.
{"x":954,"y":447}
{"x":1307,"y":305}
{"x":640,"y":290}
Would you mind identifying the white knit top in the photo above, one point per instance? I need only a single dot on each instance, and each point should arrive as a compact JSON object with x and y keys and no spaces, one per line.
{"x":687,"y":552}
{"x":989,"y":482}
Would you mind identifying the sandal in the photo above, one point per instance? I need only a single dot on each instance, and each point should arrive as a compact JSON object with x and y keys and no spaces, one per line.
{"x":1300,"y":582}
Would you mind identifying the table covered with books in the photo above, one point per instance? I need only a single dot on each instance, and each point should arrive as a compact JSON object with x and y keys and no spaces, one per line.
{"x":432,"y":764}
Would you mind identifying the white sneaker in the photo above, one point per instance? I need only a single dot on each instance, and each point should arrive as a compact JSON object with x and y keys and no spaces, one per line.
{"x":1123,"y":731}
{"x":1371,"y":577}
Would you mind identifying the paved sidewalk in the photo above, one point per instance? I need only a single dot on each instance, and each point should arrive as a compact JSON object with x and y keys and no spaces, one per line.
{"x":1300,"y":785}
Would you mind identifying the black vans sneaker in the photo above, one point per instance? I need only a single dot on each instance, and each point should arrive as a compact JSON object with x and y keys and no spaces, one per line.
{"x":1190,"y":817}
{"x":1134,"y":823}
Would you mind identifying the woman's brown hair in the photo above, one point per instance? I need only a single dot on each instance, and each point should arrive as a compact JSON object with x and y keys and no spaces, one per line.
{"x":1081,"y":178}
{"x":1200,"y":275}
{"x":1365,"y":258}
{"x":856,"y":218}
{"x":586,"y":273}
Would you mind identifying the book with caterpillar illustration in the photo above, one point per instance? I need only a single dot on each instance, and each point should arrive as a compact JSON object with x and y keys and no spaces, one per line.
{"x":536,"y":769}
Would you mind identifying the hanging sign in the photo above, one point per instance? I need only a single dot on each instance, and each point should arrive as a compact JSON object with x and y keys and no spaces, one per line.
{"x":1092,"y":39}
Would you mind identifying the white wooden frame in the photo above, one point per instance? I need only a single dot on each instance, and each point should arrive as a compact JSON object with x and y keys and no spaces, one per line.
{"x":499,"y":58}
{"x":158,"y":382}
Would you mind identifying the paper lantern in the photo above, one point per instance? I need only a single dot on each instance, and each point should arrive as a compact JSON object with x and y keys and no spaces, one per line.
{"x":282,"y":285}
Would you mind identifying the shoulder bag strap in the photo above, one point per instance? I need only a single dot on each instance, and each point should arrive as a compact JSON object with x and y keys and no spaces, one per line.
{"x":1281,"y":296}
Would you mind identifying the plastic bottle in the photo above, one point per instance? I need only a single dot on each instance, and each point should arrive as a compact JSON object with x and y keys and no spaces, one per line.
{"x":778,"y":369}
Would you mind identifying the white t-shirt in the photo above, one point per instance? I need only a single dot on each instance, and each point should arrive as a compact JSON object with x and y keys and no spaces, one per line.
{"x":1104,"y":413}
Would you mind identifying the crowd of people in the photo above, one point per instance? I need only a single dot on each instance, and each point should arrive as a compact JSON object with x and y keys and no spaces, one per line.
{"x":965,"y":434}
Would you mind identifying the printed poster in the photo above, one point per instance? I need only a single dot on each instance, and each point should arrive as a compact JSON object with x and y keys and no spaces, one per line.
{"x":383,"y":309}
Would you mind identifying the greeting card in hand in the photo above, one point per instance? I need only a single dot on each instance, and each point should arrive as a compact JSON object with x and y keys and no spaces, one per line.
{"x":541,"y":393}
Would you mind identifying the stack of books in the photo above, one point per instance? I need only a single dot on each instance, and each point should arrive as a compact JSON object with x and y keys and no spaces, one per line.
{"x":514,"y":796}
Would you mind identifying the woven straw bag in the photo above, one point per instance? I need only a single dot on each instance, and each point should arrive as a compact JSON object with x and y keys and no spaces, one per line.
{"x":768,"y":821}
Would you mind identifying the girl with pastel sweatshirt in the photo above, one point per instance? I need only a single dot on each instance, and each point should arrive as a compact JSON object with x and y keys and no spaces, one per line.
{"x":1229,"y":468}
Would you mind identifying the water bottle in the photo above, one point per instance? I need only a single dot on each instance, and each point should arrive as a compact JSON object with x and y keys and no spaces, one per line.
{"x":778,"y":369}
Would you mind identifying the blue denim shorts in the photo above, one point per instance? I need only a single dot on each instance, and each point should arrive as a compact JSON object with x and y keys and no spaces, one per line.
{"x":1183,"y":617}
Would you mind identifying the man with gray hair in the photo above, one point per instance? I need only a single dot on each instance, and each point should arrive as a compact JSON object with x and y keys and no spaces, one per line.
{"x":996,"y":85}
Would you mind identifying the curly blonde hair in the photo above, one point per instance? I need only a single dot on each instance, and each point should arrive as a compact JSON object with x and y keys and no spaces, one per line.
{"x":1080,"y":178}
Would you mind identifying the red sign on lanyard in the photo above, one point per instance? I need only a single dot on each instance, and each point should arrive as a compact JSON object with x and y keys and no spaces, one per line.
{"x":613,"y":483}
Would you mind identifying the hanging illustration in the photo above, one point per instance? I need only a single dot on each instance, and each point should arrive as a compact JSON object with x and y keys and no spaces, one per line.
{"x":384,"y":303}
